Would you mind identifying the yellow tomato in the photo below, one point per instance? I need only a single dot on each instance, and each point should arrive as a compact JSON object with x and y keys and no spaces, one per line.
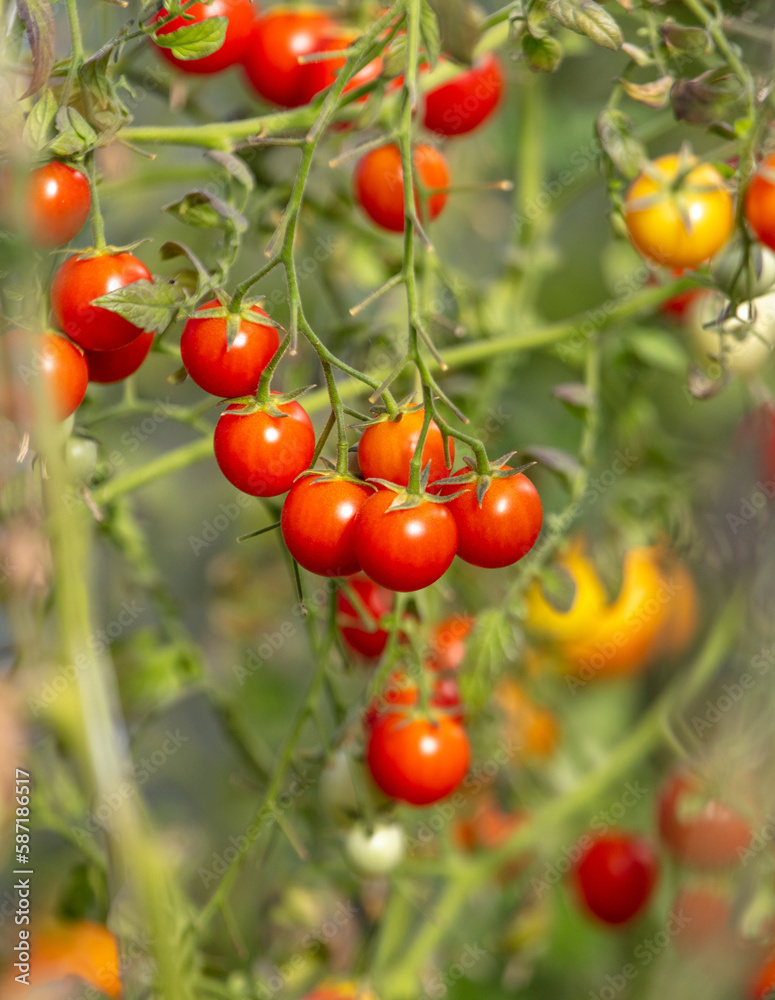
{"x":678,"y":212}
{"x":589,"y":597}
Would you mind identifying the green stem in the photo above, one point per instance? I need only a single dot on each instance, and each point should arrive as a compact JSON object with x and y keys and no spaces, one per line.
{"x":713,"y":26}
{"x":97,"y":221}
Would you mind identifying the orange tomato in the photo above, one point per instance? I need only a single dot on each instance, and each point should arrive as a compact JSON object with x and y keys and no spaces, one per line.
{"x":60,"y":952}
{"x":532,"y":728}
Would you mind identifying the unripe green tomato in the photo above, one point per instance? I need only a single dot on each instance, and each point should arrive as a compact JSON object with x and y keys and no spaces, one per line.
{"x":746,"y":345}
{"x":338,"y":793}
{"x":376,"y":852}
{"x":81,"y":458}
{"x":740,"y":282}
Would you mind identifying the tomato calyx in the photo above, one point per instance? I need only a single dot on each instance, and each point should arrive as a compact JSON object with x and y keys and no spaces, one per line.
{"x":497,"y":469}
{"x":677,"y":187}
{"x":88,"y":253}
{"x":271,"y":406}
{"x":331,"y":475}
{"x":406,"y":499}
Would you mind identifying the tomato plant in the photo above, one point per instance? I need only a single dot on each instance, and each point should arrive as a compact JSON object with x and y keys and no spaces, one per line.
{"x":616,"y":876}
{"x":260,"y":453}
{"x":364,"y":637}
{"x":239,"y":16}
{"x":379,"y":184}
{"x":81,"y":280}
{"x":417,"y":760}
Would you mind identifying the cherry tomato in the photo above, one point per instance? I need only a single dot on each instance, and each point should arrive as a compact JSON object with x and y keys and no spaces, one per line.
{"x":705,"y":917}
{"x":488,"y":826}
{"x":84,"y":950}
{"x":386,"y":449}
{"x":317,"y":524}
{"x":467,"y":100}
{"x":271,"y":61}
{"x":320,"y":75}
{"x":625,"y":635}
{"x":376,"y":851}
{"x":379,"y":184}
{"x":744,"y":339}
{"x":341,"y":989}
{"x":404,"y":549}
{"x":682,"y":614}
{"x":60,"y":365}
{"x":377,"y":602}
{"x":78,"y":282}
{"x":615,"y":877}
{"x":697,"y":829}
{"x":114,"y":366}
{"x":760,"y":202}
{"x":589,"y":598}
{"x":656,"y":213}
{"x":55,"y":199}
{"x":260,"y":454}
{"x":764,"y":982}
{"x":504,"y":528}
{"x":532,"y":729}
{"x":417,"y":760}
{"x":240,"y":16}
{"x":221,"y":370}
{"x":448,"y":642}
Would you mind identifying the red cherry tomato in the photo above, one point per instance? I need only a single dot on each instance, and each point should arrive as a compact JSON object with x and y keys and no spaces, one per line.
{"x":221,"y":370}
{"x":55,"y":201}
{"x":320,"y":75}
{"x":114,"y":366}
{"x":386,"y":449}
{"x":448,"y":642}
{"x":404,"y":549}
{"x":615,"y":877}
{"x":260,"y":454}
{"x":699,"y":830}
{"x":271,"y":60}
{"x":764,"y":982}
{"x":78,"y":282}
{"x":60,"y":365}
{"x":504,"y":528}
{"x":467,"y":100}
{"x":377,"y":602}
{"x":317,"y":524}
{"x":760,"y":203}
{"x":240,"y":16}
{"x":417,"y":760}
{"x":379,"y":184}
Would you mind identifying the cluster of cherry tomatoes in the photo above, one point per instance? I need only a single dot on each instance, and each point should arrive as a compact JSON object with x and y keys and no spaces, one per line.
{"x":268,"y":47}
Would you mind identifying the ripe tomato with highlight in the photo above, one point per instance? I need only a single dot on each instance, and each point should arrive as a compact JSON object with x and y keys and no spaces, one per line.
{"x":240,"y":16}
{"x":379,"y":185}
{"x":386,"y":449}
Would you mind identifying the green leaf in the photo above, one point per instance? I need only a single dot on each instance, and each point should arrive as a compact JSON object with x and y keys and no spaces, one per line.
{"x":205,"y":211}
{"x":538,"y":22}
{"x":688,"y":40}
{"x":543,"y":55}
{"x":235,"y":166}
{"x":75,"y":134}
{"x":626,"y":152}
{"x":38,"y":20}
{"x":559,"y":461}
{"x":658,"y":350}
{"x":170,"y":250}
{"x":103,"y":107}
{"x":39,"y":124}
{"x":430,"y":33}
{"x":195,"y":41}
{"x":151,"y":305}
{"x":654,"y":94}
{"x":586,"y":17}
{"x":459,"y":27}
